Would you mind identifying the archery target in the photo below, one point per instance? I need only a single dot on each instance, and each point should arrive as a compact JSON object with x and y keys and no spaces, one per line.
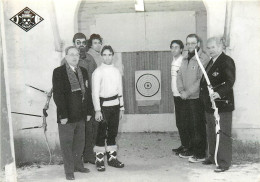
{"x":148,"y":85}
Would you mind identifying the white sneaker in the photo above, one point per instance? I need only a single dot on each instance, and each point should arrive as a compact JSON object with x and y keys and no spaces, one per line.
{"x":194,"y":159}
{"x":185,"y":155}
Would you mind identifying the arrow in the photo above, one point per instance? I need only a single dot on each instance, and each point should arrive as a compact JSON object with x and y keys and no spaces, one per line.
{"x":27,"y":114}
{"x":36,"y":88}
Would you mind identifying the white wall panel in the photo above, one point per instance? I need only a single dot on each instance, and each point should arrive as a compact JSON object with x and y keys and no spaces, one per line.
{"x":162,"y":27}
{"x":124,"y":32}
{"x":152,"y":31}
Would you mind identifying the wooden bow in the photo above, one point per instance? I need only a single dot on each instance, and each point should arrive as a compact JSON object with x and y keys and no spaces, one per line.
{"x":44,"y":116}
{"x":216,"y":115}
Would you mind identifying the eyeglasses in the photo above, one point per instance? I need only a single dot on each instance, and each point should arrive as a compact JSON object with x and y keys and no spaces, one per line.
{"x":81,"y":42}
{"x":191,"y":44}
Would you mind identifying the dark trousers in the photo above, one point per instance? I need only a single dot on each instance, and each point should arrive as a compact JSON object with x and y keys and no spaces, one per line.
{"x":72,"y":140}
{"x":197,"y":126}
{"x":182,"y":121}
{"x":108,"y":128}
{"x":90,"y":138}
{"x":224,"y":156}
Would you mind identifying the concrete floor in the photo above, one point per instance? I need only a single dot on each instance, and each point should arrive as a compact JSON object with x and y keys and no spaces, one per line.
{"x":148,"y":158}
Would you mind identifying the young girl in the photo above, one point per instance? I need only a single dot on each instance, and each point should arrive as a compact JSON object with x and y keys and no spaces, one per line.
{"x":107,"y":98}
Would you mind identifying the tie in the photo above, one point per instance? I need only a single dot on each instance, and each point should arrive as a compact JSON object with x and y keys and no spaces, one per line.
{"x":76,"y":72}
{"x":209,"y":65}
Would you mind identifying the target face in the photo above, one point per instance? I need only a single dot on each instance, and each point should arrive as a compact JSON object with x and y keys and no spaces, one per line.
{"x":148,"y":85}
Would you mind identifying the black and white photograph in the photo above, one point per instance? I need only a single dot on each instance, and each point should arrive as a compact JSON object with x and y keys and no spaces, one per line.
{"x":130,"y":90}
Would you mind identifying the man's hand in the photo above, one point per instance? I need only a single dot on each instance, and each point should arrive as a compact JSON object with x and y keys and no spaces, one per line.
{"x":64,"y":121}
{"x":88,"y":118}
{"x":214,"y":96}
{"x":121,"y":113}
{"x":184,"y":95}
{"x":98,"y":116}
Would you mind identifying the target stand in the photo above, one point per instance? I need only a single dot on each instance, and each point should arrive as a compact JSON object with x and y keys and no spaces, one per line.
{"x":148,"y":87}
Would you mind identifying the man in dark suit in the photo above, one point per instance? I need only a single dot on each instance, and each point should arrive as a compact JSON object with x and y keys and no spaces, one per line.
{"x":221,"y":72}
{"x":87,"y":61}
{"x":72,"y":97}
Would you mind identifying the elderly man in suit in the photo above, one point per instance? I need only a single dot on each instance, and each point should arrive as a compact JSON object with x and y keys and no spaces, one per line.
{"x":221,"y":72}
{"x":87,"y":61}
{"x":72,"y":97}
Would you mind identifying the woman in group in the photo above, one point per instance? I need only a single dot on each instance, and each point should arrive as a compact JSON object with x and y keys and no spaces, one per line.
{"x":107,"y":98}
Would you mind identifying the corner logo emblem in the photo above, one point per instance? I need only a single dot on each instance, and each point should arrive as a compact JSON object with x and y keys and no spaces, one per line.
{"x":26,"y":19}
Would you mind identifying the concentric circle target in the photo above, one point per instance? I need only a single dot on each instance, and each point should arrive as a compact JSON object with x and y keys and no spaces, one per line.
{"x":147,"y":85}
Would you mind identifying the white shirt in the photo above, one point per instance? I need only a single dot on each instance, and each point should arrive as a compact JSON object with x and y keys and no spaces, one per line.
{"x":73,"y":68}
{"x":175,"y":66}
{"x":107,"y":82}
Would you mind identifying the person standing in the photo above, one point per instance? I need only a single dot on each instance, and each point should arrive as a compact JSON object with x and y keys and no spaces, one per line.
{"x":182,"y":125}
{"x":221,"y":72}
{"x":188,"y":82}
{"x":85,"y":60}
{"x":88,"y":62}
{"x":72,"y":97}
{"x":94,"y":44}
{"x":107,"y":95}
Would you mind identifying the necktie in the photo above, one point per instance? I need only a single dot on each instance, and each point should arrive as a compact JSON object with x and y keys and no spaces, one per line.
{"x":209,"y":65}
{"x":76,"y":72}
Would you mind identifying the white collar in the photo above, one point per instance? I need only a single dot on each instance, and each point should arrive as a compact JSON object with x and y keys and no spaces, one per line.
{"x":72,"y":67}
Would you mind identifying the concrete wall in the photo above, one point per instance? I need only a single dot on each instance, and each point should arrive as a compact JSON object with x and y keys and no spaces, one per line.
{"x":150,"y":31}
{"x":244,"y":49}
{"x":32,"y":57}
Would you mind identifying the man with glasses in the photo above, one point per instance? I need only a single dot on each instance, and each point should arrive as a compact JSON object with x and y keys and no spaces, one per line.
{"x":188,"y":81}
{"x":72,"y":97}
{"x":85,"y":59}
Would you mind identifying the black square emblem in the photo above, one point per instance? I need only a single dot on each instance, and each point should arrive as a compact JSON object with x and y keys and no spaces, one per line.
{"x":26,"y":19}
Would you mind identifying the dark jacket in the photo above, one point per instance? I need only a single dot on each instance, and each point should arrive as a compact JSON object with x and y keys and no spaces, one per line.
{"x":69,"y":104}
{"x":222,"y":76}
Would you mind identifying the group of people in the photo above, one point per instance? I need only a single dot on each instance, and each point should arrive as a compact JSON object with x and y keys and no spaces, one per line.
{"x":89,"y":107}
{"x":195,"y":118}
{"x":88,"y":93}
